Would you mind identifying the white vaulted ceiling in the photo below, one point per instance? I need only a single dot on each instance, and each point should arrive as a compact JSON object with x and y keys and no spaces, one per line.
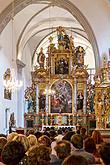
{"x":36,"y":21}
{"x":40,"y":23}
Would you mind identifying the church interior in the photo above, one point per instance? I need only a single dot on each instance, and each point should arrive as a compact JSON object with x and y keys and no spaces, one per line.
{"x":55,"y":64}
{"x":54,"y":82}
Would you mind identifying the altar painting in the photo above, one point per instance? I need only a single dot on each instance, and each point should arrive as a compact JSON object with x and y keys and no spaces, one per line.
{"x":61,"y":100}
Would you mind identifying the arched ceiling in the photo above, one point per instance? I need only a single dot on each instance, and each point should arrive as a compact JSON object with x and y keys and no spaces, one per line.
{"x":42,"y":23}
{"x":35,"y":20}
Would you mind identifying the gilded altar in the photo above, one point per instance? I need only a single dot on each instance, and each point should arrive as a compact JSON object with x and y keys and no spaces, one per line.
{"x":102,"y":97}
{"x":58,"y":94}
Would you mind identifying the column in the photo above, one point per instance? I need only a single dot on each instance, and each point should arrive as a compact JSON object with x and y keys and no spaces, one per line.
{"x":75,"y":95}
{"x":20,"y":96}
{"x":37,"y":100}
{"x":85,"y":97}
{"x":47,"y":100}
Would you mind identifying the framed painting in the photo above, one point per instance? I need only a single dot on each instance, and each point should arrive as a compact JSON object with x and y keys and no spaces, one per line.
{"x":61,"y":100}
{"x":7,"y":94}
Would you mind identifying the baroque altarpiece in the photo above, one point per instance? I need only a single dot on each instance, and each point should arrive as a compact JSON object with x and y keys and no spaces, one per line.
{"x":59,"y":94}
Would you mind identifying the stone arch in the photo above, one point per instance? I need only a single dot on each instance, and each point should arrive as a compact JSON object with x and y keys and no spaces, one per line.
{"x":19,"y":5}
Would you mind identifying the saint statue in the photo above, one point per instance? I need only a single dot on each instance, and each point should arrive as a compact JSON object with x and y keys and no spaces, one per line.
{"x":41,"y":58}
{"x":80,"y":99}
{"x":30,"y":104}
{"x":42,"y":101}
{"x":11,"y":122}
{"x":80,"y":52}
{"x":60,"y":33}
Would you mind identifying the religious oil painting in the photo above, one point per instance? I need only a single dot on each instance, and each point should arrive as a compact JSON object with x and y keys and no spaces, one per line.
{"x":61,"y":100}
{"x":61,"y":66}
{"x":7,"y":94}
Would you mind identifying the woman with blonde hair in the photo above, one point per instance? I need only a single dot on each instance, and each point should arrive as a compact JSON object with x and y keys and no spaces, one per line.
{"x":32,"y":140}
{"x":11,"y":136}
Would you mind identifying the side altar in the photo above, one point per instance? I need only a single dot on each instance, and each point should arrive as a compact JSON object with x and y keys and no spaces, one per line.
{"x":58,"y":94}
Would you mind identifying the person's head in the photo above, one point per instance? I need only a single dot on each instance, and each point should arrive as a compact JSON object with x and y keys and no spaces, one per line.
{"x":68,"y":135}
{"x":3,"y":135}
{"x":78,"y":132}
{"x":46,"y":133}
{"x":30,"y":131}
{"x":23,"y":139}
{"x":90,"y":145}
{"x":96,"y":135}
{"x":63,"y":149}
{"x":83,"y":131}
{"x":39,"y":155}
{"x":11,"y":136}
{"x":3,"y":141}
{"x":43,"y":155}
{"x":75,"y":159}
{"x":32,"y":155}
{"x":45,"y":140}
{"x":52,"y":133}
{"x":104,"y":152}
{"x":77,"y":141}
{"x":32,"y":140}
{"x":12,"y":153}
{"x":38,"y":134}
{"x":59,"y":131}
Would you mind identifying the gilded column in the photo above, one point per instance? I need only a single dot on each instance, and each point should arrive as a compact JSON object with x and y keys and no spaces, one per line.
{"x":37,"y":100}
{"x":47,"y":100}
{"x":85,"y":97}
{"x":75,"y":96}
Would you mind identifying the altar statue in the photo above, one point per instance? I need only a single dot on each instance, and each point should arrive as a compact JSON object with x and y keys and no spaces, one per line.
{"x":42,"y":101}
{"x":67,"y":41}
{"x":80,"y":99}
{"x":11,"y":122}
{"x":41,"y":58}
{"x":60,"y":33}
{"x":30,"y":104}
{"x":80,"y":52}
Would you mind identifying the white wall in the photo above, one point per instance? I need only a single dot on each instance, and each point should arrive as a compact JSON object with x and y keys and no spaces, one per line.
{"x":6,"y":62}
{"x":7,"y":53}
